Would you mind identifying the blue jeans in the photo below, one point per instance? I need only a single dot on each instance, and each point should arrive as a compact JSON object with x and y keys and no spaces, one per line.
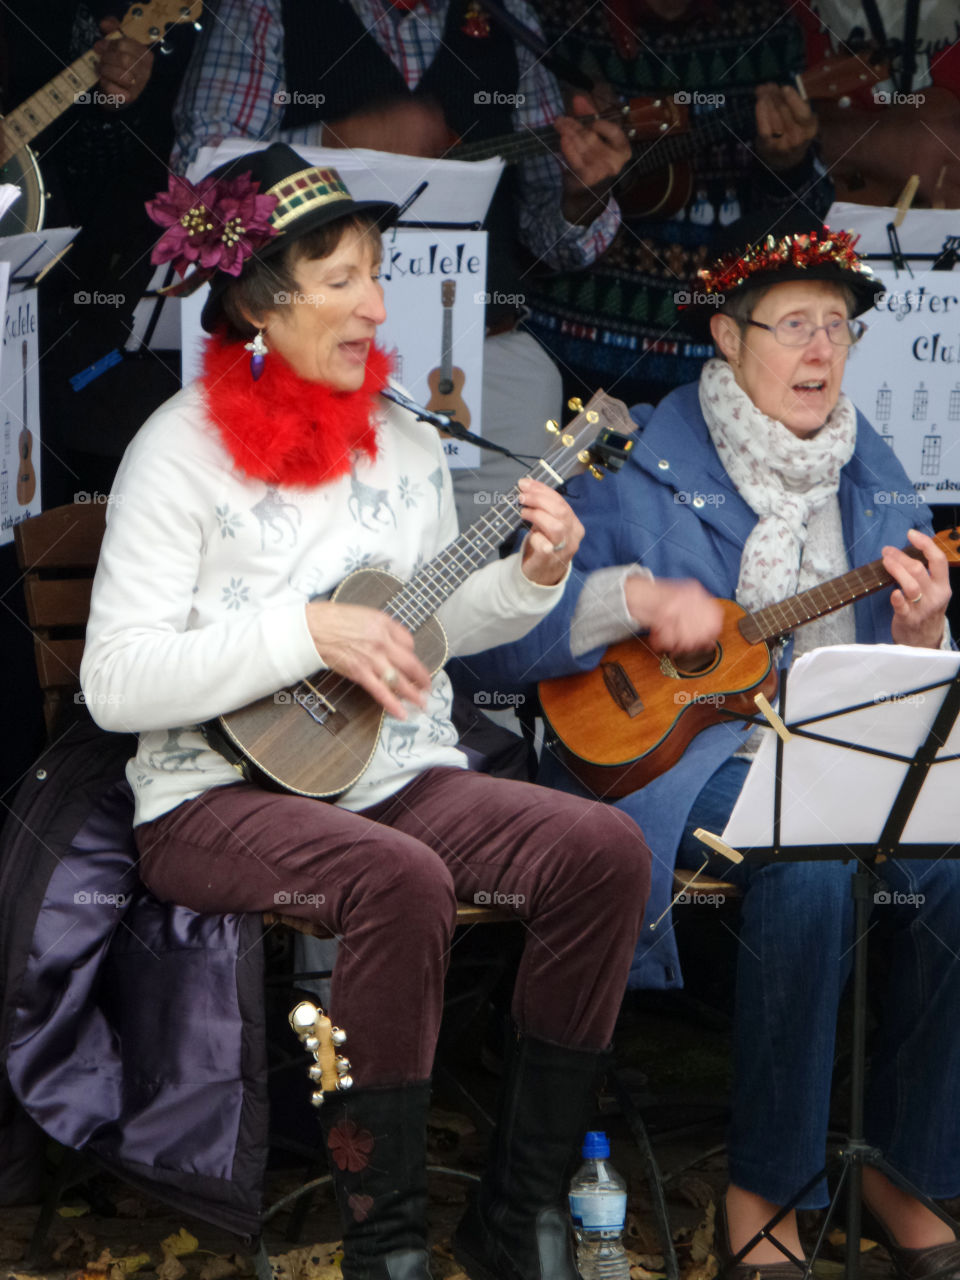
{"x":794,"y":958}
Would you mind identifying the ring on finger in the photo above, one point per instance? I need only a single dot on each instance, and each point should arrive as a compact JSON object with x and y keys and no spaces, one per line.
{"x":558,"y":546}
{"x":918,"y":599}
{"x":391,"y":677}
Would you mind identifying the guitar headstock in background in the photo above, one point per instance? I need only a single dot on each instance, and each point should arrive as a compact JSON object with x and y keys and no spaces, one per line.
{"x":150,"y":21}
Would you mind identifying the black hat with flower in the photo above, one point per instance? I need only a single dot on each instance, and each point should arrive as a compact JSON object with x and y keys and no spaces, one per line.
{"x":254,"y":206}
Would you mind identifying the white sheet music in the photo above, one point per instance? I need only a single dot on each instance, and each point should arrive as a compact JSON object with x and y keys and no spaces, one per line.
{"x":832,"y":794}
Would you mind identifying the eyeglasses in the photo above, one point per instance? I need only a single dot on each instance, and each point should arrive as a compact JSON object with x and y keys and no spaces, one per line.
{"x":791,"y":331}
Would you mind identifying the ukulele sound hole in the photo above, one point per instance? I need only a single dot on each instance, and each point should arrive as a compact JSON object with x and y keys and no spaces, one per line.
{"x":697,"y":664}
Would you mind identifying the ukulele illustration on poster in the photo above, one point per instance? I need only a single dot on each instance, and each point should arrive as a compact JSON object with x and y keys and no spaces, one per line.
{"x":26,"y":475}
{"x":446,"y":381}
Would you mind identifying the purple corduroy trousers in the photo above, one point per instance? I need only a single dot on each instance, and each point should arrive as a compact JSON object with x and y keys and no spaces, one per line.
{"x":386,"y":882}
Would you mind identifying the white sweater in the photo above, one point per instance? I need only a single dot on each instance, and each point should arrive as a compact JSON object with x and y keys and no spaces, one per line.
{"x":199,"y":601}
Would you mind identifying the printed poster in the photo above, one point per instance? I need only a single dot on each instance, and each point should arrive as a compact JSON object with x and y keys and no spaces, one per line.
{"x":904,"y":375}
{"x":20,"y":408}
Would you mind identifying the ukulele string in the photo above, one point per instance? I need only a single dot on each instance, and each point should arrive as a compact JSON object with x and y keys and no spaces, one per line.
{"x":405,"y":608}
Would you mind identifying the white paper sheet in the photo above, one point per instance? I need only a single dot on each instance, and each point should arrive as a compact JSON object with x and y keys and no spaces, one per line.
{"x":835,"y":795}
{"x":458,"y":191}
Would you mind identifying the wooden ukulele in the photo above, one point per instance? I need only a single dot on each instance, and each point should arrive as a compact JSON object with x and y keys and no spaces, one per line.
{"x":145,"y":22}
{"x":638,"y":117}
{"x":446,"y":381}
{"x":665,"y":123}
{"x":623,"y":724}
{"x":317,"y":737}
{"x":26,"y":476}
{"x":661,"y":178}
{"x":318,"y":1036}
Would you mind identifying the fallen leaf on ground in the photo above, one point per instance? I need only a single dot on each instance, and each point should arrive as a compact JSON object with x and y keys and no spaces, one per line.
{"x":452,"y":1121}
{"x":318,"y":1262}
{"x":701,"y":1244}
{"x":641,"y":1236}
{"x":131,"y":1207}
{"x":702,"y":1270}
{"x":696,"y":1191}
{"x":218,"y":1268}
{"x":183,"y":1242}
{"x":79,"y":1243}
{"x":171,"y":1268}
{"x":128,"y":1266}
{"x":839,"y":1237}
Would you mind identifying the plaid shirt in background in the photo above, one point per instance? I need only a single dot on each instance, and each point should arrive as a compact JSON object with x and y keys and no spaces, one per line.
{"x":231,"y":90}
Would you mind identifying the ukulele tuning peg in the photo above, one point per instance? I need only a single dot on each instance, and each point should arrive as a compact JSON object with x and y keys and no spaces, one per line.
{"x":343,"y":1066}
{"x":568,"y":441}
{"x":166,"y":48}
{"x":345,"y":1082}
{"x":575,"y":404}
{"x":596,"y":473}
{"x":552,"y":428}
{"x":592,"y":416}
{"x":584,"y":457}
{"x":316,"y":1073}
{"x":338,"y":1036}
{"x":316,"y":1099}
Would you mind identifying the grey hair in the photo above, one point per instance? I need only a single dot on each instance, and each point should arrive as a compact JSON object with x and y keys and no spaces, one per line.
{"x":741,"y":306}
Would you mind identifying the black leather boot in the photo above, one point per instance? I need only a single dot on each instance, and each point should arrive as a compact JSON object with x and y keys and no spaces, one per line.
{"x":376,"y":1142}
{"x":517,"y":1226}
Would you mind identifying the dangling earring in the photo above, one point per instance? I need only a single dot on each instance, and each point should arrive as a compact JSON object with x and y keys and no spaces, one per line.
{"x":258,"y":349}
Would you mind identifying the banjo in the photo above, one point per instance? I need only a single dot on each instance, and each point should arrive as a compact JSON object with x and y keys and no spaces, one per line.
{"x":146,"y":23}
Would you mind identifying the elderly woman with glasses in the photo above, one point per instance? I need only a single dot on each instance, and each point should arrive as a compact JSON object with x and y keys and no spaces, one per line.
{"x":755,"y":483}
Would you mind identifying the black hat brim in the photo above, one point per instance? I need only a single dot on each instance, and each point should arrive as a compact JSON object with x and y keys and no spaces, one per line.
{"x":752,"y":230}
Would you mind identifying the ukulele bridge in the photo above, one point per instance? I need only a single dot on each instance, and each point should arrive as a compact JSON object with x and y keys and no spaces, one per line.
{"x":317,"y":707}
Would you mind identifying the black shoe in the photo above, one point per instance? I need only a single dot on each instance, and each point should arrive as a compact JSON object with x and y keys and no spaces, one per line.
{"x":517,"y":1225}
{"x":935,"y":1262}
{"x":376,"y":1147}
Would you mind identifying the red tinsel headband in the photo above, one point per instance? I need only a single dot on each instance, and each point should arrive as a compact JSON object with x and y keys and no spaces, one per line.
{"x":811,"y":249}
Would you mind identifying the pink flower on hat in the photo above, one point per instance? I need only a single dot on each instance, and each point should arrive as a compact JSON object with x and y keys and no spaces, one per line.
{"x":215,"y":225}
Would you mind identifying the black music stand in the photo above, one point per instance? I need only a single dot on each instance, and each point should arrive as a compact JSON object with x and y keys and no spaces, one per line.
{"x":932,"y":726}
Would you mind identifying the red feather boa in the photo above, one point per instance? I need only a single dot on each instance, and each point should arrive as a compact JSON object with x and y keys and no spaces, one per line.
{"x":283,"y":429}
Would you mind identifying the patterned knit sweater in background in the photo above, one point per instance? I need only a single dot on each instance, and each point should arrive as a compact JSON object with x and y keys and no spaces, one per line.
{"x":616,"y":324}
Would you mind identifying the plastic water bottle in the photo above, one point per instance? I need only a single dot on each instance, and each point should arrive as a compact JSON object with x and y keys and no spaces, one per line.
{"x":598,"y":1206}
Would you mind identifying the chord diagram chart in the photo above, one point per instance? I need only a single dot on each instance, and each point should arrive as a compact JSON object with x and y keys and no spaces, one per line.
{"x":887,"y":438}
{"x":930,"y":460}
{"x":884,"y":404}
{"x":920,"y":399}
{"x":953,"y":409}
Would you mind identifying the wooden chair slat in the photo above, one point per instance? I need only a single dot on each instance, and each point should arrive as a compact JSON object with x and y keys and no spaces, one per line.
{"x":682,"y":879}
{"x":58,"y":662}
{"x":63,"y":537}
{"x":467,"y":913}
{"x":57,"y":602}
